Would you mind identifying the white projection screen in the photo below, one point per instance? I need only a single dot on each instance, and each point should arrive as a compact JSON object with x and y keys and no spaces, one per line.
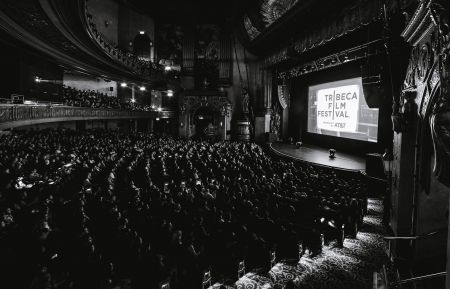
{"x":339,"y":109}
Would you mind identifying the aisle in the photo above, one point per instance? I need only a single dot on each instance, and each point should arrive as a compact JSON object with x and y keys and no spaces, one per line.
{"x":350,"y":267}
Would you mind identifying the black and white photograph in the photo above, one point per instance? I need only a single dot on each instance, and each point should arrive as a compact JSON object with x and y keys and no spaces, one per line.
{"x":225,"y":144}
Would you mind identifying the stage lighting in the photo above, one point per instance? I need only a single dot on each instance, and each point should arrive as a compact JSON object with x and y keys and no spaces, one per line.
{"x":159,"y":109}
{"x":157,"y":119}
{"x":142,"y":32}
{"x":37,"y":79}
{"x":123,"y":84}
{"x":170,"y":93}
{"x":142,"y":88}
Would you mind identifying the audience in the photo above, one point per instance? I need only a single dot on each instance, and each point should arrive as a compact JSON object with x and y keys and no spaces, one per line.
{"x":143,"y":67}
{"x":95,"y":99}
{"x":89,"y":98}
{"x":104,"y":209}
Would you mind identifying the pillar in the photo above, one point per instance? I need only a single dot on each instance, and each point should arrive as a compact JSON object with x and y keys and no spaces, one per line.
{"x":403,"y":182}
{"x":448,"y":255}
{"x":285,"y":124}
{"x":150,"y":126}
{"x":268,"y":88}
{"x":224,"y":114}
{"x":262,"y":123}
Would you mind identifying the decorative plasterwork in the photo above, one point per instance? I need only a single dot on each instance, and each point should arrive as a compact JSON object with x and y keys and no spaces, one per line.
{"x":347,"y":21}
{"x":427,"y":81}
{"x":333,"y":60}
{"x":269,"y":12}
{"x":218,"y":102}
{"x":31,"y":23}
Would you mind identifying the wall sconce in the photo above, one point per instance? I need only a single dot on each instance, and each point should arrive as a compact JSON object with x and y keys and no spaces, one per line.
{"x":182,"y":124}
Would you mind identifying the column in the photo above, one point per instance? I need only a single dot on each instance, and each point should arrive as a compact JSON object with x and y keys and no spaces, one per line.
{"x":150,"y":126}
{"x":448,"y":255}
{"x":262,"y":123}
{"x":267,"y":82}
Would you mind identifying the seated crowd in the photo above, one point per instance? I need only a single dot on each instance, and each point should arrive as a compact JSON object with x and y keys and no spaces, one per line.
{"x":95,"y":99}
{"x":143,"y":67}
{"x":99,"y":209}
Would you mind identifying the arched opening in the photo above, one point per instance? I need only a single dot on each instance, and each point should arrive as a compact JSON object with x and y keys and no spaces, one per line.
{"x":143,"y":46}
{"x":206,"y":122}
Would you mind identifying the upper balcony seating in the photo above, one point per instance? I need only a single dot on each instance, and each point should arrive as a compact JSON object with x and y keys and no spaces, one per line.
{"x":139,"y":66}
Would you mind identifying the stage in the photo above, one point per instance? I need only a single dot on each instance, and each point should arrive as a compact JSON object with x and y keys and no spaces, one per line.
{"x":319,"y":156}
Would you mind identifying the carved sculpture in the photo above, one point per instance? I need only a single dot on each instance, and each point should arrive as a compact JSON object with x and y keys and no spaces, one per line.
{"x":275,"y":123}
{"x":245,"y":100}
{"x":427,"y":82}
{"x":440,"y":114}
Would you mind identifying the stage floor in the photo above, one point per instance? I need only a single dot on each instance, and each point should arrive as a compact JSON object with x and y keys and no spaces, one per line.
{"x":319,"y":156}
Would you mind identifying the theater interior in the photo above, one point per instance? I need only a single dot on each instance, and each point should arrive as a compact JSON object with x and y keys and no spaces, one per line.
{"x":257,"y":144}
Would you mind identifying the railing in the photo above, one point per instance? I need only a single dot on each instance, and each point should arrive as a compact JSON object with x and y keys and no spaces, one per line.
{"x":420,"y":278}
{"x":143,"y":68}
{"x":411,"y":238}
{"x":14,"y":114}
{"x":381,"y":279}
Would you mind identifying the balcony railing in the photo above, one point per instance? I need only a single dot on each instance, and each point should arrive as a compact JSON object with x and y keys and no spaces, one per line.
{"x":13,"y":115}
{"x":143,"y":68}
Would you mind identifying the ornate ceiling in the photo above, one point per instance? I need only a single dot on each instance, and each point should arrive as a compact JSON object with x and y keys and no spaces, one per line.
{"x":57,"y":31}
{"x":180,"y":11}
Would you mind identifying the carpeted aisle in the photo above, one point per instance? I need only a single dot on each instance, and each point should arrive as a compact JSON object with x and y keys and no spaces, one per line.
{"x":350,"y":267}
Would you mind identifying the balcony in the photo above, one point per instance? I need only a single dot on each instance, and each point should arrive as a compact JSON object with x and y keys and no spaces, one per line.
{"x":16,"y":115}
